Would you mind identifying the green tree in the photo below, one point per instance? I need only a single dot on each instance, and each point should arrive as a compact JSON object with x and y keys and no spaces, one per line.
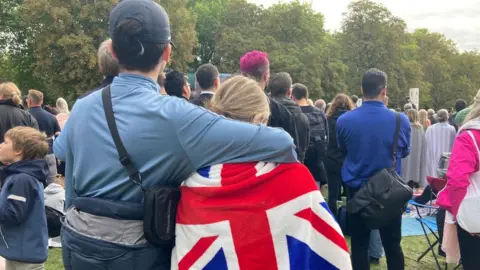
{"x":291,"y":33}
{"x":210,"y":16}
{"x":182,"y":23}
{"x":372,"y":37}
{"x":67,"y":34}
{"x":333,"y":79}
{"x":435,"y":54}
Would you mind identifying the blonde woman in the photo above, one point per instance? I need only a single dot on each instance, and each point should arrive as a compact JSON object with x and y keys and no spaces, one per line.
{"x":249,"y":207}
{"x":63,"y":112}
{"x":413,"y":166}
{"x":10,"y":113}
{"x":423,"y":119}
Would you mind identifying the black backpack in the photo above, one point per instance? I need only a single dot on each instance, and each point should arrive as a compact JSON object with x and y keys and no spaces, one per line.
{"x":317,"y":146}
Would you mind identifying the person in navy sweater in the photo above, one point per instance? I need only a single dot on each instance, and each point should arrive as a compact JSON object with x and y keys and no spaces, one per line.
{"x":366,"y":136}
{"x":23,"y":225}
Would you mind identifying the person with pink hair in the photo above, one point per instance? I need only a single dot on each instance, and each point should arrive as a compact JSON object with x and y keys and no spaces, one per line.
{"x":255,"y":64}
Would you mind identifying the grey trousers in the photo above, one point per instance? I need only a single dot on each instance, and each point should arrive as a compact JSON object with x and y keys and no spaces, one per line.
{"x":52,"y":167}
{"x":12,"y":265}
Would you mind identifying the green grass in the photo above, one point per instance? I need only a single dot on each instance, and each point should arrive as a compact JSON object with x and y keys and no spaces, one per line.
{"x":413,"y":246}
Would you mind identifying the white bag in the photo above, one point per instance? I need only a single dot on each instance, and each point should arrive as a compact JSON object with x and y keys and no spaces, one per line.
{"x":468,"y":215}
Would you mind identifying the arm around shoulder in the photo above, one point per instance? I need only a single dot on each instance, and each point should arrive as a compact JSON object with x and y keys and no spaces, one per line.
{"x":210,"y":139}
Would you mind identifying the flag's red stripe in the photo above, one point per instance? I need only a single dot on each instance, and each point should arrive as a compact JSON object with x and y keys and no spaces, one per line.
{"x":323,"y":227}
{"x":196,"y":252}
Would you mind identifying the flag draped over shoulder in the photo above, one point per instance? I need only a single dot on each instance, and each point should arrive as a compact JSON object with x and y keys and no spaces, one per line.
{"x":256,"y":216}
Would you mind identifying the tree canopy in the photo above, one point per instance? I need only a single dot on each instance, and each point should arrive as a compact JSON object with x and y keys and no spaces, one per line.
{"x":51,"y":45}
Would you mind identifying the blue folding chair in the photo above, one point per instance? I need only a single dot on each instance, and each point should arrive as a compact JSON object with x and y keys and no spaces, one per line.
{"x":431,"y":226}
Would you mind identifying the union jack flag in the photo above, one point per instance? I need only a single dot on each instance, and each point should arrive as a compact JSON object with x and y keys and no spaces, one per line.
{"x":256,"y":216}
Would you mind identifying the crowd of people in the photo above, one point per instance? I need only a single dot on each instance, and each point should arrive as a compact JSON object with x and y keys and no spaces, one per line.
{"x":220,"y":135}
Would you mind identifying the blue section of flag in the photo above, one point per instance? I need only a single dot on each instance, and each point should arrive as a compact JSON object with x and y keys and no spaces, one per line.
{"x":205,"y":172}
{"x":302,"y":257}
{"x":325,"y":205}
{"x":219,"y":262}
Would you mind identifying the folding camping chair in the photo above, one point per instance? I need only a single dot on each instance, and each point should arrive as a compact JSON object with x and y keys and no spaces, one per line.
{"x":431,"y":226}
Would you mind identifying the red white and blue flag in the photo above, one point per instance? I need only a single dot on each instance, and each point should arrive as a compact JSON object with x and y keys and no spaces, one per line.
{"x":256,"y":216}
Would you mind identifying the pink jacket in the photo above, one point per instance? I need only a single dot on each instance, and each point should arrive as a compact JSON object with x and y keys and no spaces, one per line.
{"x":464,"y":162}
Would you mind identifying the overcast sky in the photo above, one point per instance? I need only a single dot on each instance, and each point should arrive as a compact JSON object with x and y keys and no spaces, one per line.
{"x":459,"y":20}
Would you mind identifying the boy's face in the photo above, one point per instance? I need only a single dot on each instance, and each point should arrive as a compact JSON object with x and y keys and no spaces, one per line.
{"x":7,"y":153}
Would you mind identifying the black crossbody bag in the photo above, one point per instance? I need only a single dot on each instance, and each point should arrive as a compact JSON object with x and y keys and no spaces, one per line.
{"x":160,"y":202}
{"x":384,"y":196}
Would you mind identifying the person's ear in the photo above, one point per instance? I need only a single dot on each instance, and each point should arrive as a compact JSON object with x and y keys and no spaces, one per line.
{"x":167,"y":53}
{"x":289,"y":92}
{"x":384,"y":92}
{"x":186,"y":91}
{"x":216,"y":83}
{"x":18,"y":153}
{"x":266,"y":77}
{"x":110,"y":49}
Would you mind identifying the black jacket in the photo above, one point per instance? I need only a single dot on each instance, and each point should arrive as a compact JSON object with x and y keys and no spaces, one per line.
{"x":202,"y":99}
{"x":334,"y":153}
{"x":302,"y":125}
{"x":12,"y":116}
{"x":280,"y":117}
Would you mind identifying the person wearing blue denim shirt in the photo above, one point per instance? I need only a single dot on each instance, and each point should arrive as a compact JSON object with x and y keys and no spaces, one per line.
{"x":167,"y":139}
{"x":366,"y":135}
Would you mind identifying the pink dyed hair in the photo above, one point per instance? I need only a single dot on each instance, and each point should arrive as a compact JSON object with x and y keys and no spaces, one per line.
{"x":254,"y":63}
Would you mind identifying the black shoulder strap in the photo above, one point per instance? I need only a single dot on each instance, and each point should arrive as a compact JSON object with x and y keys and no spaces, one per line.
{"x":395,"y":139}
{"x":124,"y":158}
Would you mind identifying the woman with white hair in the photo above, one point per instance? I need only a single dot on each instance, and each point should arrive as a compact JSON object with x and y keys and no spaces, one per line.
{"x":63,"y":112}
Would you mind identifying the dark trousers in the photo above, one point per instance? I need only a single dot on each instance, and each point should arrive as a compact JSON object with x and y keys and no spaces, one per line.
{"x":334,"y":177}
{"x":391,"y":235}
{"x":440,"y":225}
{"x":469,"y":249}
{"x":317,"y":169}
{"x":334,"y":186}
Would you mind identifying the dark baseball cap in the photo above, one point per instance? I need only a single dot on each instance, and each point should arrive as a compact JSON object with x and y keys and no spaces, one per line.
{"x":152,"y":17}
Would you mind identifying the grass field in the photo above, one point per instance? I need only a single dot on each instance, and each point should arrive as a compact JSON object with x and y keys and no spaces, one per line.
{"x":412,"y":247}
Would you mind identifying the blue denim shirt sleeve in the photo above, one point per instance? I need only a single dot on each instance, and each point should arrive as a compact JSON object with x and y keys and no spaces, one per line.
{"x":210,"y":139}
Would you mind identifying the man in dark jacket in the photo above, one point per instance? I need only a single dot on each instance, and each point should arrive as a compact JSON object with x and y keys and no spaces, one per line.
{"x":47,"y":123}
{"x":10,"y":114}
{"x":280,"y":87}
{"x":317,"y":146}
{"x":255,"y":65}
{"x":208,"y":79}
